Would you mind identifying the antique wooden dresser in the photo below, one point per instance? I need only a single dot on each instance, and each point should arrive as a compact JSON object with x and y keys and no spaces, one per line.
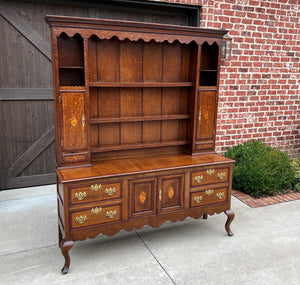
{"x":135,"y":116}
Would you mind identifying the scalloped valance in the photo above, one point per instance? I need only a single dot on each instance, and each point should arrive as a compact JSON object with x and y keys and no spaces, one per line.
{"x":133,"y":31}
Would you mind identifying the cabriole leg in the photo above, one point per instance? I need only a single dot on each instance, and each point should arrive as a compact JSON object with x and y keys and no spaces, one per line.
{"x":205,"y":216}
{"x":60,"y":237}
{"x":230,"y":217}
{"x":65,"y":247}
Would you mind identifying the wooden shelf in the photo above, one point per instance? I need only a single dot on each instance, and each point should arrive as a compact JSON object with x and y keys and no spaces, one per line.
{"x":141,"y":84}
{"x":71,"y":67}
{"x":137,"y":146}
{"x":201,"y":88}
{"x":138,"y":119}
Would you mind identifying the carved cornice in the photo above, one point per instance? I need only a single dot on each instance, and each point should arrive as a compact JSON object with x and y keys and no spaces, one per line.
{"x":133,"y":31}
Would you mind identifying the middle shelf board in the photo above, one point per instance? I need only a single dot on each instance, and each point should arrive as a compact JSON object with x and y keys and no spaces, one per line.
{"x":138,"y":146}
{"x":141,"y":84}
{"x":139,"y":119}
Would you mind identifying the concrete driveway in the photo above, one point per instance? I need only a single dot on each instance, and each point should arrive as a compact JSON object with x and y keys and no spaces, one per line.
{"x":265,"y":248}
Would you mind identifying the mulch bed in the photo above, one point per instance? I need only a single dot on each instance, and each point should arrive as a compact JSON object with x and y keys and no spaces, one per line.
{"x":265,"y":201}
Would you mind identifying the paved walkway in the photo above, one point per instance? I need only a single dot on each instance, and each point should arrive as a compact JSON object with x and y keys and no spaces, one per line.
{"x":264,"y":250}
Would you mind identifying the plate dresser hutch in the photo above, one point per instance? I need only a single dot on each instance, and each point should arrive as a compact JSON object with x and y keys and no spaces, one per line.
{"x":135,"y":117}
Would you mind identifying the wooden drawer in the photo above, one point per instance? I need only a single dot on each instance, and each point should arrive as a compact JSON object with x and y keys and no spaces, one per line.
{"x":73,"y":158}
{"x":94,"y":192}
{"x":209,"y":176}
{"x":204,"y":147}
{"x":208,"y":196}
{"x":94,"y":216}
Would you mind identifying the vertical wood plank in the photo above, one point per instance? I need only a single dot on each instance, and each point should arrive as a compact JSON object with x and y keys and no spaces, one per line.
{"x":152,"y":71}
{"x":131,"y":67}
{"x":94,"y":129}
{"x":92,"y":59}
{"x":171,"y":96}
{"x":108,"y":62}
{"x":185,"y":64}
{"x":109,"y":134}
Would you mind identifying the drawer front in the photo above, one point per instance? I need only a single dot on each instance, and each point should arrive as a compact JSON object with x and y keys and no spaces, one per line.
{"x":208,"y":196}
{"x":95,"y":192}
{"x":95,"y":216}
{"x":73,"y":158}
{"x":209,"y":176}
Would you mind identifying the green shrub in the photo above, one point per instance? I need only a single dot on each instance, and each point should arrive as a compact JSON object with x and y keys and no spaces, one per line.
{"x":259,"y":169}
{"x":296,"y":180}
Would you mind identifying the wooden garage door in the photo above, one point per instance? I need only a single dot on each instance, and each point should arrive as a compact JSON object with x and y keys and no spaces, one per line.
{"x":27,"y":149}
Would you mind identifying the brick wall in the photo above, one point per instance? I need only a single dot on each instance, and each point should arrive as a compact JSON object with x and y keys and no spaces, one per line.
{"x":259,"y":88}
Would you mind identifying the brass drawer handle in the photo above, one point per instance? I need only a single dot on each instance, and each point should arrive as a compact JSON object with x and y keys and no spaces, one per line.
{"x":209,"y":192}
{"x":210,"y":171}
{"x":111,"y":214}
{"x":96,"y":210}
{"x":198,"y":178}
{"x":110,"y":191}
{"x":96,"y":187}
{"x":197,"y":199}
{"x":221,"y":175}
{"x":80,"y":196}
{"x":220,"y":195}
{"x":81,"y":219}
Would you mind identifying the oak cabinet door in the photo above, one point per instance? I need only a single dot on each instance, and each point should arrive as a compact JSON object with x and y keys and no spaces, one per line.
{"x":73,"y":122}
{"x":142,"y":193}
{"x":170,"y":194}
{"x":206,"y":120}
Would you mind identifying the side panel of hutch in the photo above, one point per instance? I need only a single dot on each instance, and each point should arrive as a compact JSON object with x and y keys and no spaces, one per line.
{"x":135,"y":114}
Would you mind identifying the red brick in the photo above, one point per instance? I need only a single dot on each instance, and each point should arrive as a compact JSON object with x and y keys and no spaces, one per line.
{"x":265,"y":56}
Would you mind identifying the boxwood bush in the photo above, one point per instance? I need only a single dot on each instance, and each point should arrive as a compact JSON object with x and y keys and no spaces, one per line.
{"x":296,"y":180}
{"x":260,"y":170}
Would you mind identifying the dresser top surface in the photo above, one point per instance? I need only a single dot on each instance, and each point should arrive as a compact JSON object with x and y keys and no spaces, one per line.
{"x":126,"y":166}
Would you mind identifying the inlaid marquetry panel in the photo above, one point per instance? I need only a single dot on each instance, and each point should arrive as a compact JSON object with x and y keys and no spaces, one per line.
{"x":73,"y":121}
{"x":142,"y":197}
{"x":171,"y":190}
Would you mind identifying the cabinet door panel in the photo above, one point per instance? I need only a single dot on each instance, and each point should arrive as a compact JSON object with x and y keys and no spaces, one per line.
{"x":73,"y":121}
{"x":206,"y":115}
{"x":142,"y":197}
{"x":171,"y":190}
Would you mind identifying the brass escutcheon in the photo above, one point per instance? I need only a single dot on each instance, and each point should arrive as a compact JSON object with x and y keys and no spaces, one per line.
{"x":110,"y":191}
{"x":111,"y":214}
{"x":160,"y":194}
{"x":220,"y":195}
{"x":96,"y":187}
{"x":81,"y":219}
{"x":210,"y":171}
{"x":197,"y":199}
{"x":96,"y":210}
{"x":209,"y":192}
{"x":221,"y":175}
{"x":80,"y":196}
{"x":198,"y":178}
